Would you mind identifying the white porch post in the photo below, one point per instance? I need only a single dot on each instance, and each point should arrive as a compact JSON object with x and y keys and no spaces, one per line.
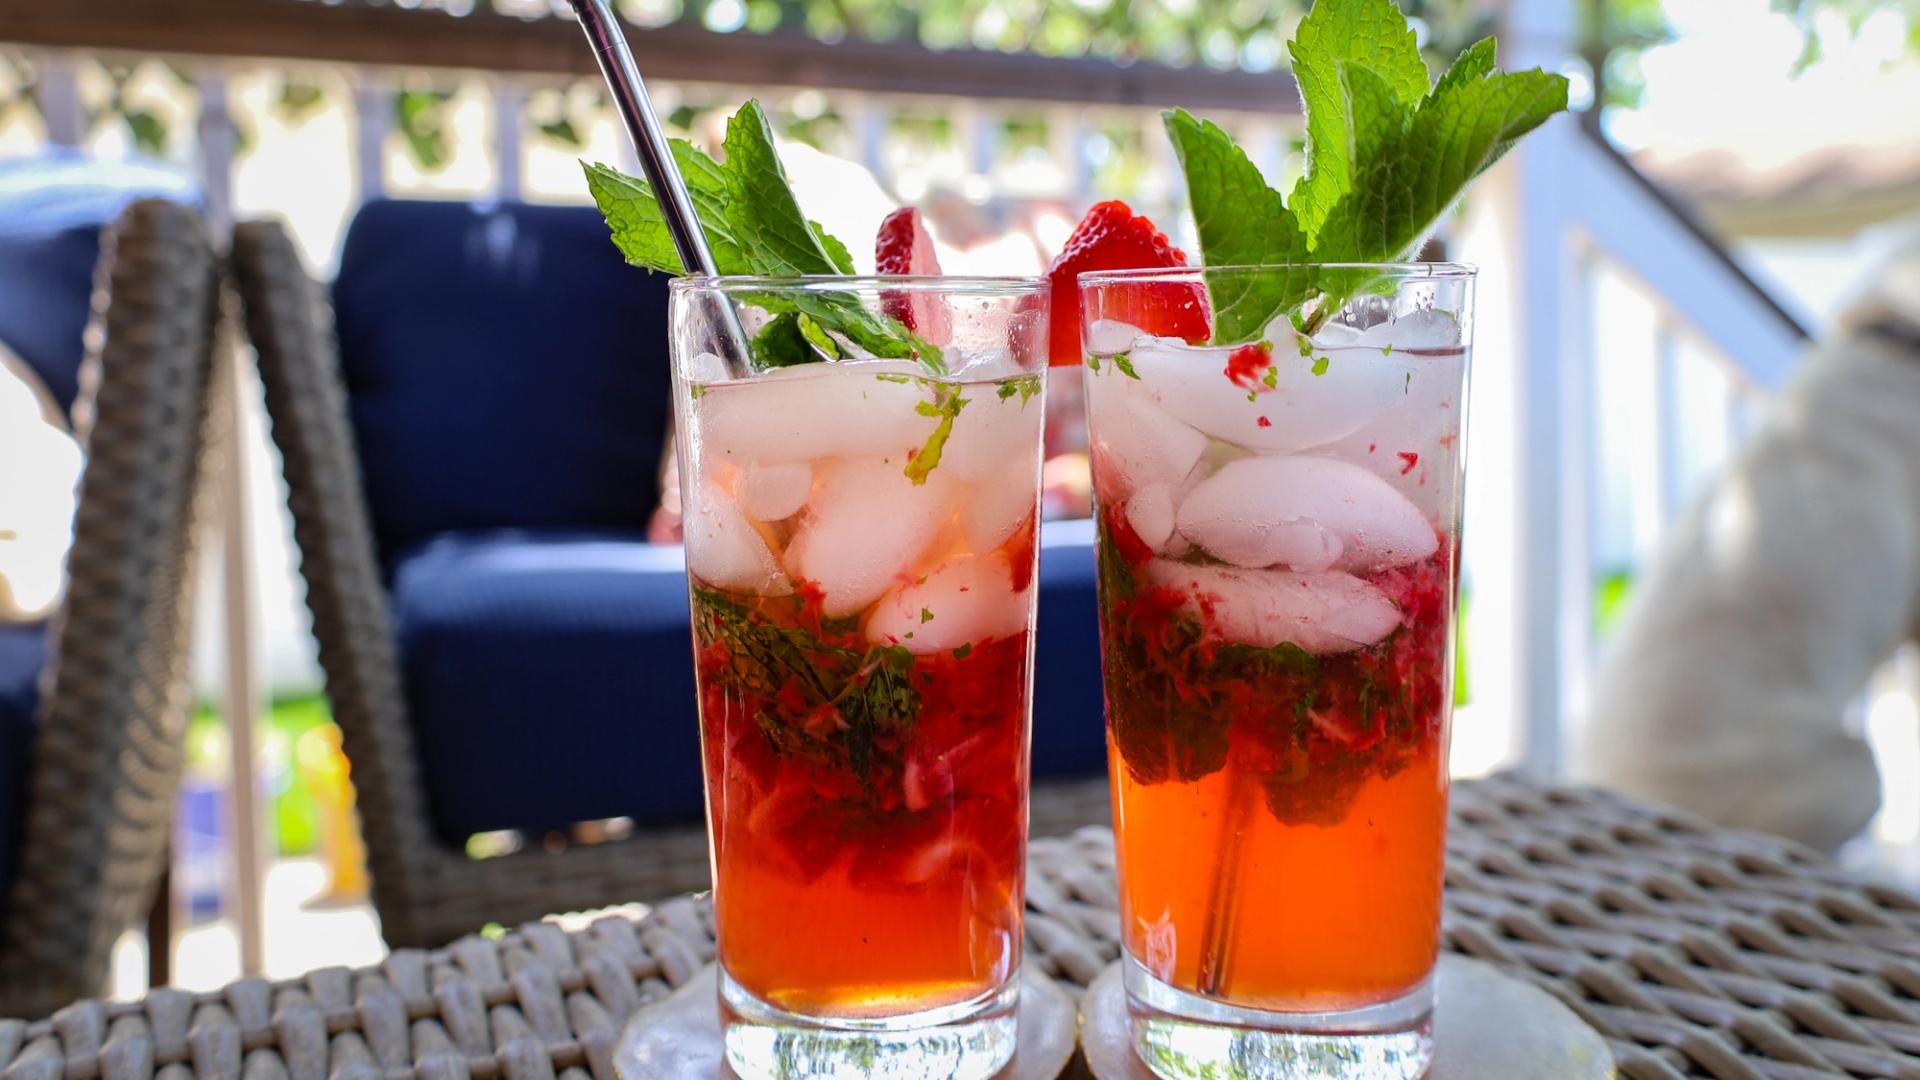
{"x":1547,"y":306}
{"x":240,"y":693}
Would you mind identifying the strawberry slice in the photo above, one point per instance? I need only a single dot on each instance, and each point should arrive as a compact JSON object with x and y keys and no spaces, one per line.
{"x":1113,"y":237}
{"x":904,"y":247}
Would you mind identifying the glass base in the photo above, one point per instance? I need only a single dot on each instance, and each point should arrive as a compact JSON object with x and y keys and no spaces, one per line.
{"x":968,"y":1041}
{"x":1183,"y":1036}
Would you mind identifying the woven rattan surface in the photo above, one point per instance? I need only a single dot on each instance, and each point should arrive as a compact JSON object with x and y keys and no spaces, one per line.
{"x":1694,"y":951}
{"x":107,"y":752}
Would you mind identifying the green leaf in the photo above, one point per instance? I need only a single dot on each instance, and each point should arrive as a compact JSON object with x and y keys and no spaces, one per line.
{"x":946,"y":405}
{"x":1475,"y":62}
{"x":1371,"y":33}
{"x":837,"y":251}
{"x":640,"y":230}
{"x":818,"y":336}
{"x":1411,"y":173}
{"x":770,"y":228}
{"x":755,"y":226}
{"x":1242,"y":222}
{"x":782,"y":343}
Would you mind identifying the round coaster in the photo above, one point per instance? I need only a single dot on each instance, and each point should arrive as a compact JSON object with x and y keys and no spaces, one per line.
{"x":678,"y":1037}
{"x":1487,"y":1025}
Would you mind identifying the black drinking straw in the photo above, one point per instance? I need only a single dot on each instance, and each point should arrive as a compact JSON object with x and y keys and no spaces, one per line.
{"x":610,"y":49}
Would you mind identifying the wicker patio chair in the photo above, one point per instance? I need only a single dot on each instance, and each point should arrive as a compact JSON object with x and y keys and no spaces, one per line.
{"x":426,"y":890}
{"x":106,"y":759}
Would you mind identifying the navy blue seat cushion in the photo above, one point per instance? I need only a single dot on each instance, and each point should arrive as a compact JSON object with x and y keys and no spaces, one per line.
{"x":52,"y":208}
{"x":23,"y":652}
{"x":550,"y":677}
{"x":505,"y":369}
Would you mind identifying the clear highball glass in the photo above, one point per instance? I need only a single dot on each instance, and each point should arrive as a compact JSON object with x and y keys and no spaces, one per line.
{"x":861,"y":552}
{"x":1278,"y":543}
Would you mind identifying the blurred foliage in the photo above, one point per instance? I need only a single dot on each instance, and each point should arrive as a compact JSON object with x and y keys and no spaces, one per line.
{"x":293,"y":811}
{"x":1855,"y":12}
{"x":420,"y":116}
{"x":1614,"y":34}
{"x":1243,"y":34}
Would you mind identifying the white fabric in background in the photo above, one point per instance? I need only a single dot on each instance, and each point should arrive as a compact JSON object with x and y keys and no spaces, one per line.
{"x":1786,"y":585}
{"x":40,"y":465}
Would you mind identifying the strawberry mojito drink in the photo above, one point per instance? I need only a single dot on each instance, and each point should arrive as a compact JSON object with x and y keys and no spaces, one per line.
{"x":860,"y":543}
{"x":1278,"y":537}
{"x":859,"y":475}
{"x":1277,"y":467}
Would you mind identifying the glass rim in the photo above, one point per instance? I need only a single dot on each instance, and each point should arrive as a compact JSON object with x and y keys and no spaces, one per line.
{"x":1405,"y":271}
{"x":970,"y":284}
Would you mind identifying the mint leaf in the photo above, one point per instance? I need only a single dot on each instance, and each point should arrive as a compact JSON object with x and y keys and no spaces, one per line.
{"x":1387,"y":158}
{"x":779,"y":240}
{"x":821,"y":340}
{"x":781,"y":343}
{"x":1476,"y":62}
{"x":775,"y":236}
{"x":755,"y":226}
{"x":1241,"y":222}
{"x":1372,"y":33}
{"x":946,"y":405}
{"x":837,"y":252}
{"x":1413,"y":169}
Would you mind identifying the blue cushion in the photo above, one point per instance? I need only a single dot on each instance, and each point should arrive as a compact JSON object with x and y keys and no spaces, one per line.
{"x":505,"y":369}
{"x":1069,"y":719}
{"x":23,"y":652}
{"x":52,"y":208}
{"x":550,"y":679}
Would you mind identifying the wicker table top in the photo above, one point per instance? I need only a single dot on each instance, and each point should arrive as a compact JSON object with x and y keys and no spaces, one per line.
{"x":1695,"y":951}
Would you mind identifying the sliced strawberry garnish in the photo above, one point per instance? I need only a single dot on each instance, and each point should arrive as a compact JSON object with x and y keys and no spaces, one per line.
{"x":1113,"y":237}
{"x":905,"y":247}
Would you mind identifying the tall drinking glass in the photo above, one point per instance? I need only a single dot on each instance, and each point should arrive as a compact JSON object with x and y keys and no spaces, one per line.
{"x":860,"y":539}
{"x":1278,"y":543}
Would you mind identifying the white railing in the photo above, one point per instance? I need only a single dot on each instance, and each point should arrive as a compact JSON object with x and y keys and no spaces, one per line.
{"x":1543,"y":226}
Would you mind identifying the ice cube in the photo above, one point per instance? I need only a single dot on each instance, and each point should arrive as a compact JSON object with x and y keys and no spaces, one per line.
{"x":726,"y":551}
{"x":1323,"y":613}
{"x":811,"y":411}
{"x":1150,"y":512}
{"x":995,"y":507}
{"x":1301,"y":410}
{"x":1415,"y":445}
{"x":864,"y":528}
{"x":976,"y":365}
{"x":965,"y":600}
{"x":992,"y":436}
{"x":1307,"y":513}
{"x":774,"y":492}
{"x":1104,"y":337}
{"x":706,"y":367}
{"x":1421,"y":329}
{"x":1135,"y":442}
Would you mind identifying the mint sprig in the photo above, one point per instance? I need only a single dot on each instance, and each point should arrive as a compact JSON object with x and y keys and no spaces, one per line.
{"x":755,"y":227}
{"x":1242,"y":222}
{"x":1387,"y":158}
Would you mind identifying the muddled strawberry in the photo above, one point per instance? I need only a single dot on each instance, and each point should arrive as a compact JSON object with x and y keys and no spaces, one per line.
{"x":1247,"y":367}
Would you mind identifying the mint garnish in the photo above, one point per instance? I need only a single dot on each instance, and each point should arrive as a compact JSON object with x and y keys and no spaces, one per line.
{"x":1242,"y":222}
{"x":1387,"y":157}
{"x":946,"y":405}
{"x":755,"y":226}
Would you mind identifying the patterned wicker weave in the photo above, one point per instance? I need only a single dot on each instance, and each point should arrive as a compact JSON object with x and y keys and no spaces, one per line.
{"x":106,"y":760}
{"x":1697,"y":952}
{"x":426,"y":891}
